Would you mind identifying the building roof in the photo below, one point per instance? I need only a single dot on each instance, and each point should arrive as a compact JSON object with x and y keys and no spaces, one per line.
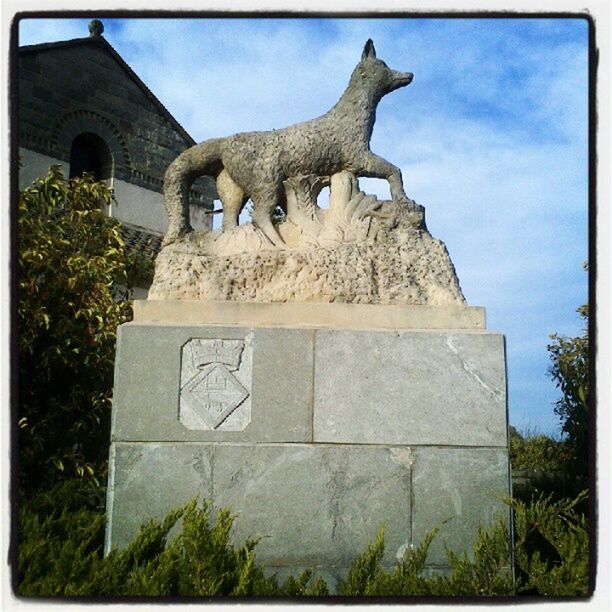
{"x":99,"y":41}
{"x":140,"y":243}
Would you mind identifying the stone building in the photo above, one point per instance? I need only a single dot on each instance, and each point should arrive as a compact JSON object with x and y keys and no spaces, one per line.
{"x":81,"y":106}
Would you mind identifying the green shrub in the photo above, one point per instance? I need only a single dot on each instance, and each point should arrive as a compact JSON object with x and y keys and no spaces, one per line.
{"x":551,"y":546}
{"x":61,"y":554}
{"x":537,"y":452}
{"x":570,"y":371}
{"x":551,"y":553}
{"x":71,"y":261}
{"x":62,"y":541}
{"x":487,"y":573}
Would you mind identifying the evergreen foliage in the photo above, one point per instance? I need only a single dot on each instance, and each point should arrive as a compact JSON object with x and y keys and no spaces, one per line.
{"x":61,"y":554}
{"x":71,"y":262}
{"x":551,"y":546}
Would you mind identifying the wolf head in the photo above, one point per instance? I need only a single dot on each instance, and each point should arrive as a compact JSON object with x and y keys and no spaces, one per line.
{"x":375,"y":76}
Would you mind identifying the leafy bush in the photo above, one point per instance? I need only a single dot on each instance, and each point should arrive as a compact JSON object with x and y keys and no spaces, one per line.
{"x":570,"y":371}
{"x":537,"y":452}
{"x":71,"y":260}
{"x":61,"y":554}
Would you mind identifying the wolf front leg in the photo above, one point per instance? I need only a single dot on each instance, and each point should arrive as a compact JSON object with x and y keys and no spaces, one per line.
{"x":264,"y":202}
{"x":376,"y":167}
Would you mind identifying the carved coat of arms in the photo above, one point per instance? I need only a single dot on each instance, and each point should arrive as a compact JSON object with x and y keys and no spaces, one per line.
{"x":210,"y":387}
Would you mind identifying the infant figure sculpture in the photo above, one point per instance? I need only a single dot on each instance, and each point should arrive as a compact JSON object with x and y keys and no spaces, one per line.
{"x":360,"y":249}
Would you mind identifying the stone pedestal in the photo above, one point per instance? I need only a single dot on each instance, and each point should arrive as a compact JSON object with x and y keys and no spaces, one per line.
{"x":314,"y":434}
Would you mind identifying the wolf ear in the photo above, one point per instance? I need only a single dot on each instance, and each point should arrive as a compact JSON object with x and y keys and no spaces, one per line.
{"x":368,"y":50}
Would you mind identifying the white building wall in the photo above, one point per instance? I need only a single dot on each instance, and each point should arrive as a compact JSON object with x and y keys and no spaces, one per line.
{"x":34,"y":165}
{"x":136,"y":206}
{"x":144,"y":208}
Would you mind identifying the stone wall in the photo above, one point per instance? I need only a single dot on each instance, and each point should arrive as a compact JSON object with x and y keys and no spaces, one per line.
{"x":83,"y":86}
{"x":313,"y":434}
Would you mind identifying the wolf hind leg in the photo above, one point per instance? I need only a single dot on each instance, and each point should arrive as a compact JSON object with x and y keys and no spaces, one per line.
{"x":177,"y":183}
{"x":233,"y":199}
{"x":199,"y":160}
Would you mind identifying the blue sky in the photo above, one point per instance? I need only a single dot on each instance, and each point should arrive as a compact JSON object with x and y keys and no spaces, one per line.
{"x":491,"y":137}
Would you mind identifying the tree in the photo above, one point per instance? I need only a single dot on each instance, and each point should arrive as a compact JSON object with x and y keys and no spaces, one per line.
{"x":71,"y":262}
{"x":570,"y":371}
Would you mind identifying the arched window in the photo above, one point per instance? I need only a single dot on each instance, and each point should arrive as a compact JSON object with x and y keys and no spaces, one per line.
{"x":89,"y":153}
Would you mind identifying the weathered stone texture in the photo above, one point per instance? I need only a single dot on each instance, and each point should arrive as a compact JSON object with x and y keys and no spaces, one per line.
{"x":80,"y":85}
{"x":410,"y":388}
{"x":338,"y":497}
{"x":312,"y":506}
{"x":146,"y":481}
{"x":464,"y":485}
{"x":349,"y":430}
{"x":268,"y":167}
{"x":410,"y":268}
{"x":315,"y":506}
{"x":146,"y":401}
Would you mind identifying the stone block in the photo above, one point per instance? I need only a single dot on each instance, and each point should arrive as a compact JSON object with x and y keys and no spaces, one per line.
{"x":464,"y":485}
{"x":315,"y":505}
{"x":370,"y":317}
{"x":335,"y":433}
{"x":278,"y":406}
{"x":432,"y":388}
{"x":146,"y":481}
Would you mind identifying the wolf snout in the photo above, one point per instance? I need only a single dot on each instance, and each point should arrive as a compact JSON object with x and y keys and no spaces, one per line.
{"x":401,"y":79}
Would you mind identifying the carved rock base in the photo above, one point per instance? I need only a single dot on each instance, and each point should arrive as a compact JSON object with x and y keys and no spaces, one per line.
{"x":411,"y":267}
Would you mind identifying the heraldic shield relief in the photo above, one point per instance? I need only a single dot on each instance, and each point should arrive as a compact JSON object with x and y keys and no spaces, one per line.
{"x":215,"y":384}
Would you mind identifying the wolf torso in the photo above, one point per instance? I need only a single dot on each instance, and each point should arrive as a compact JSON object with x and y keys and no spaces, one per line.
{"x":336,"y":141}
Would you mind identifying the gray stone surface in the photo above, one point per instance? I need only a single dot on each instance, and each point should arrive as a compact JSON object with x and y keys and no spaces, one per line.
{"x":416,"y":387}
{"x":321,"y":385}
{"x":465,"y":485}
{"x":315,"y":505}
{"x":146,"y":481}
{"x":147,"y":383}
{"x":408,"y":429}
{"x":312,"y":505}
{"x":371,"y":317}
{"x":216,"y":383}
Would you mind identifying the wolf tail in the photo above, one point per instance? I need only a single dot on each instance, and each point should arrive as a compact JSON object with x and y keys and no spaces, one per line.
{"x":199,"y":160}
